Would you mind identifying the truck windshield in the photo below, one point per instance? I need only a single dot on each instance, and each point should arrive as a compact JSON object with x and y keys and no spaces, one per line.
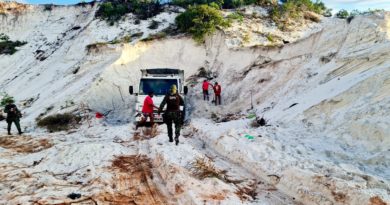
{"x":158,"y":86}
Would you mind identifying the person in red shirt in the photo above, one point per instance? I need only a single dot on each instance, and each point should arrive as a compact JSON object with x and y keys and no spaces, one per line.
{"x":147,"y":110}
{"x":217,"y":92}
{"x":205,"y":88}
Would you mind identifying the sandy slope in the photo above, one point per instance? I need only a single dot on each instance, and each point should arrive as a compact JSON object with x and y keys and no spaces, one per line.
{"x":325,"y":97}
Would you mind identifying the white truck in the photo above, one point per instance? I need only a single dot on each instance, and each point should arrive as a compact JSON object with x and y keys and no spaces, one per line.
{"x":159,"y":81}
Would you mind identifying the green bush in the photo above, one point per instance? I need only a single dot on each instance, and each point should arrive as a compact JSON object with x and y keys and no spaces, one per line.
{"x":59,"y":122}
{"x":5,"y":99}
{"x":343,"y":14}
{"x":200,"y":20}
{"x":226,"y":4}
{"x":113,"y":11}
{"x":327,"y":12}
{"x":9,"y":47}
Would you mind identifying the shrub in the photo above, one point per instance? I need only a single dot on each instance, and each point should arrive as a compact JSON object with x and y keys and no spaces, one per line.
{"x":113,"y":11}
{"x":153,"y":24}
{"x":343,"y":14}
{"x":5,"y":99}
{"x":200,"y":21}
{"x":295,"y":9}
{"x":7,"y":46}
{"x":48,"y":7}
{"x":327,"y":13}
{"x":59,"y":122}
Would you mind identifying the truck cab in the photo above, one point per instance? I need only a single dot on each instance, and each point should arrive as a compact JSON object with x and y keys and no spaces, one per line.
{"x":158,"y":80}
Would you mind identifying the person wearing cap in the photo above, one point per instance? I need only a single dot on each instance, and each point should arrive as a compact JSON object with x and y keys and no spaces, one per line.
{"x":13,"y":116}
{"x":172,"y":114}
{"x":147,"y":110}
{"x":217,"y":92}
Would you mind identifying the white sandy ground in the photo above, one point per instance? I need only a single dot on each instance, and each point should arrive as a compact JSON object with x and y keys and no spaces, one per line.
{"x":331,"y":147}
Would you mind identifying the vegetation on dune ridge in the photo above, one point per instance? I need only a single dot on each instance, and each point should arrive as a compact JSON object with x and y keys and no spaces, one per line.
{"x":204,"y":17}
{"x":113,"y":10}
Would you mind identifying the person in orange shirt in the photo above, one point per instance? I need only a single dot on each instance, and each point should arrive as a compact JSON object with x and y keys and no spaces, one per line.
{"x":147,"y":110}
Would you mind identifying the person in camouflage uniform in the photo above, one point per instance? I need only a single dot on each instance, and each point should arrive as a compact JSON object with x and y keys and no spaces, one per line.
{"x":172,"y":114}
{"x":13,"y":116}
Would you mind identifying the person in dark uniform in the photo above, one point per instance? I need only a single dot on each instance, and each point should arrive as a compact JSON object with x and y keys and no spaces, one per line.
{"x":13,"y":116}
{"x":172,"y":114}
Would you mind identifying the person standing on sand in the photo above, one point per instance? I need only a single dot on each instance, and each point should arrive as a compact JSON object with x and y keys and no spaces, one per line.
{"x":147,"y":110}
{"x":13,"y":116}
{"x":205,"y":88}
{"x":217,"y":92}
{"x":172,"y":114}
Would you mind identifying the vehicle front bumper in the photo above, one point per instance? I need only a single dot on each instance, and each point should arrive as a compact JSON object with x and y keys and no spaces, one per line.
{"x":157,"y":118}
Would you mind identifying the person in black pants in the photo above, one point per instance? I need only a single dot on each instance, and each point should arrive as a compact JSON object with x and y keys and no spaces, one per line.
{"x":172,"y":114}
{"x":13,"y":116}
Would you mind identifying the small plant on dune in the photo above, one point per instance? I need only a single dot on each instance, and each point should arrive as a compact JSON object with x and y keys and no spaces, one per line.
{"x":59,"y":122}
{"x":200,"y":21}
{"x":270,"y":38}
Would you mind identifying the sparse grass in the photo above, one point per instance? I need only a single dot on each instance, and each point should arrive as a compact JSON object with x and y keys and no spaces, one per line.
{"x":59,"y":122}
{"x":247,"y":192}
{"x":246,"y":38}
{"x":203,"y":167}
{"x":238,"y":16}
{"x":96,"y":46}
{"x":270,"y":38}
{"x":156,"y":36}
